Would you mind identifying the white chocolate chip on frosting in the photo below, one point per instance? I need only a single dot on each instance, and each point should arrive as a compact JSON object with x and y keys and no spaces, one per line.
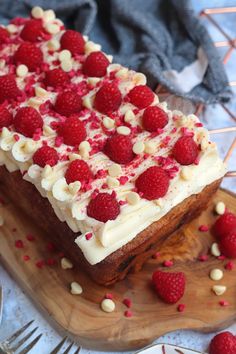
{"x":123,"y":130}
{"x":129,"y":116}
{"x":2,"y":63}
{"x":132,"y":198}
{"x":41,"y":92}
{"x":215,"y":251}
{"x":220,"y":208}
{"x":74,"y":187}
{"x":108,"y":123}
{"x":122,"y":73}
{"x":216,"y":274}
{"x":138,"y":147}
{"x":88,"y":102}
{"x":48,"y":131}
{"x":186,"y":173}
{"x":66,"y":263}
{"x":219,"y":289}
{"x":60,"y":190}
{"x":114,"y":170}
{"x":76,"y":288}
{"x":34,"y":102}
{"x":49,"y":15}
{"x":52,"y":28}
{"x":84,"y":149}
{"x":112,"y":182}
{"x":67,"y":65}
{"x":108,"y":305}
{"x":22,"y":70}
{"x":93,"y":80}
{"x":64,"y":55}
{"x":53,"y":44}
{"x":139,"y":79}
{"x":150,"y":147}
{"x":37,"y":12}
{"x":91,"y":47}
{"x":12,"y":29}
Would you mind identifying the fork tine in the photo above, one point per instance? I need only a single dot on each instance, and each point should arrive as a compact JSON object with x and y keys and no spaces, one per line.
{"x":58,"y":347}
{"x":18,"y":333}
{"x":69,"y":348}
{"x":31,"y":345}
{"x":77,"y":351}
{"x":24,"y":339}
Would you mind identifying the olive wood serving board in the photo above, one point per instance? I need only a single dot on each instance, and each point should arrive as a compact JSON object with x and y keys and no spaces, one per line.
{"x":80,"y":316}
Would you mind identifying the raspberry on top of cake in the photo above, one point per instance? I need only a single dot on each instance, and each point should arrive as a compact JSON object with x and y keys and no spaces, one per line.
{"x":93,"y":137}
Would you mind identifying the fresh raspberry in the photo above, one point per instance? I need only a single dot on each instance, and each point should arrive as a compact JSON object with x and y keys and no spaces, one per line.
{"x":185,"y":150}
{"x":27,"y":121}
{"x":45,"y":155}
{"x":228,"y":245}
{"x":95,"y":64}
{"x":119,"y":148}
{"x":169,"y":287}
{"x":153,"y":183}
{"x":72,"y":131}
{"x":141,"y":96}
{"x":103,"y":207}
{"x":29,"y":55}
{"x":78,"y":171}
{"x":56,"y":78}
{"x":8,"y":88}
{"x":68,"y":103}
{"x":223,"y":343}
{"x":73,"y":41}
{"x":154,"y":118}
{"x":108,"y":98}
{"x":5,"y":117}
{"x":4,"y":35}
{"x":225,"y":224}
{"x":32,"y":31}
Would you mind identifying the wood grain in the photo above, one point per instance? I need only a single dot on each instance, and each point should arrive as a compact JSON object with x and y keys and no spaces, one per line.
{"x":81,"y":317}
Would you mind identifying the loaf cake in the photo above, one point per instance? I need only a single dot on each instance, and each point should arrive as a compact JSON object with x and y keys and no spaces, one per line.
{"x":89,"y":152}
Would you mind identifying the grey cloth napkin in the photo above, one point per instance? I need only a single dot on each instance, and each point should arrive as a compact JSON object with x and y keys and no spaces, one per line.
{"x":161,"y":38}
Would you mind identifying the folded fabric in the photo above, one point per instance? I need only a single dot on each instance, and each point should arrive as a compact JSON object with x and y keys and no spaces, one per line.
{"x":161,"y":38}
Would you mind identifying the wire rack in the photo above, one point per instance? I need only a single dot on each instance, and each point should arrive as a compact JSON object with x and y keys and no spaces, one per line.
{"x":229,"y":44}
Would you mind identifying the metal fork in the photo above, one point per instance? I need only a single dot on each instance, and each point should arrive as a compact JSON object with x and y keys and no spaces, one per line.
{"x":67,"y":350}
{"x":8,"y":346}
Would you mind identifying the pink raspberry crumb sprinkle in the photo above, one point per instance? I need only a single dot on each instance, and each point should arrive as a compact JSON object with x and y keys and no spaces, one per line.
{"x":156,"y":255}
{"x":30,"y":237}
{"x":229,"y":266}
{"x":109,"y":296}
{"x":203,"y":258}
{"x":127,"y":302}
{"x":181,"y":307}
{"x":223,"y":303}
{"x":168,"y":263}
{"x":39,"y":264}
{"x":50,"y":261}
{"x":128,"y":313}
{"x":221,"y":257}
{"x":50,"y":247}
{"x":26,"y":258}
{"x":19,"y":244}
{"x":88,"y":236}
{"x":203,"y":228}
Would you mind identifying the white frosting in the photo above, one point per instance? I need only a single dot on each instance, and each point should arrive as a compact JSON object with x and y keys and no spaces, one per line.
{"x":68,"y":202}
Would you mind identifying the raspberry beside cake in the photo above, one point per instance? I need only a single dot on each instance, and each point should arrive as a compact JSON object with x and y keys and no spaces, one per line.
{"x":89,"y":151}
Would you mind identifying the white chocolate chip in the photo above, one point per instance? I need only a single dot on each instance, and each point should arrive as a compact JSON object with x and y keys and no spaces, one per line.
{"x":150,"y":147}
{"x":139,"y":79}
{"x":186,"y":173}
{"x":107,"y":305}
{"x":76,"y":288}
{"x":49,"y":15}
{"x":60,"y":190}
{"x":93,"y":80}
{"x":215,"y":251}
{"x":66,"y":65}
{"x":34,"y":102}
{"x":204,"y":144}
{"x":132,"y":198}
{"x":2,"y":63}
{"x":84,"y":145}
{"x":47,"y":130}
{"x":52,"y":28}
{"x":219,"y":289}
{"x":1,"y":220}
{"x":37,"y":12}
{"x":108,"y":123}
{"x":53,"y":44}
{"x":30,"y":146}
{"x":123,"y":130}
{"x":114,"y":170}
{"x":74,"y":187}
{"x":112,"y":182}
{"x":47,"y":171}
{"x":216,"y":274}
{"x":220,"y":208}
{"x":88,"y":102}
{"x":11,"y":28}
{"x":40,"y":92}
{"x":122,"y":73}
{"x":64,"y":55}
{"x":66,"y":263}
{"x":91,"y":47}
{"x":129,"y":116}
{"x":138,"y":147}
{"x":74,"y":156}
{"x":110,"y":58}
{"x":22,"y":70}
{"x":159,"y":202}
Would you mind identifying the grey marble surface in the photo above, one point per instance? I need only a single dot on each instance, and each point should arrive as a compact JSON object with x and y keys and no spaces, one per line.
{"x":18,"y":308}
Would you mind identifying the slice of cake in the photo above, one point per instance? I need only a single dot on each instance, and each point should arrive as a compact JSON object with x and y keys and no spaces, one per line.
{"x":87,"y":149}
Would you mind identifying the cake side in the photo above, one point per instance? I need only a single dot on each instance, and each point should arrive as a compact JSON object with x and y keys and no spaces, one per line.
{"x":117,"y":265}
{"x":92,"y":138}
